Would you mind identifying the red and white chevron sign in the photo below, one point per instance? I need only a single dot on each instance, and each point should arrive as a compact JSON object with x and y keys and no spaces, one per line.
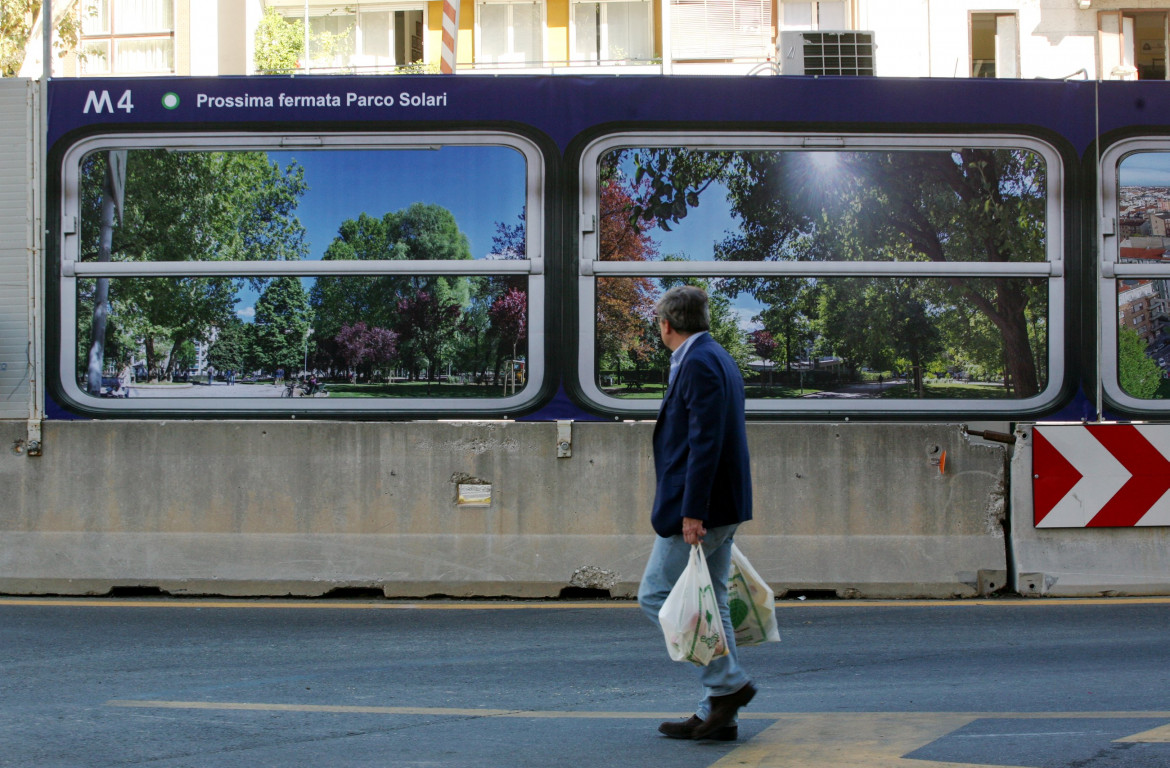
{"x":1101,"y":475}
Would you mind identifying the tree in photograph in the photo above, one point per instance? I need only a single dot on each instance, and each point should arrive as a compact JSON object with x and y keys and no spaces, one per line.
{"x":341,"y":301}
{"x":511,"y":240}
{"x":184,"y":357}
{"x":184,"y":206}
{"x":427,"y":326}
{"x":479,"y":346}
{"x":652,"y":355}
{"x":122,"y":336}
{"x":765,"y":346}
{"x":113,"y":184}
{"x":184,"y":310}
{"x":788,"y":308}
{"x":840,"y":305}
{"x":473,"y":349}
{"x":509,"y":322}
{"x":970,"y":204}
{"x":282,"y":325}
{"x":726,"y":325}
{"x":1139,"y":375}
{"x":420,"y":232}
{"x":624,"y":304}
{"x":427,"y":231}
{"x":975,"y":344}
{"x":233,"y":348}
{"x":256,"y":203}
{"x":916,"y":337}
{"x":365,"y":350}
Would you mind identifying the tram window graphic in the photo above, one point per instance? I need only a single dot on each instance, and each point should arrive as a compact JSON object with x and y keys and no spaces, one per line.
{"x":887,"y":276}
{"x":1139,"y":291}
{"x":389,"y":276}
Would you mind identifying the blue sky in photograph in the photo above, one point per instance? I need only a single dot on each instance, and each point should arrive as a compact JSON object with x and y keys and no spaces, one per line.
{"x":696,"y":236}
{"x":480,"y":185}
{"x":1145,"y":169}
{"x":705,"y":225}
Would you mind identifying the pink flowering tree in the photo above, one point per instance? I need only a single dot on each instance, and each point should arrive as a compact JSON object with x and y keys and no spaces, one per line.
{"x":509,"y":319}
{"x":365,"y":349}
{"x":765,"y":345}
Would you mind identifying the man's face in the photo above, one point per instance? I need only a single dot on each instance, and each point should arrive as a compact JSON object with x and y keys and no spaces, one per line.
{"x":670,"y":337}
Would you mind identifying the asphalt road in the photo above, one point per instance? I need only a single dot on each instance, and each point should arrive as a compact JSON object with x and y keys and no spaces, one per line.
{"x":219,"y":684}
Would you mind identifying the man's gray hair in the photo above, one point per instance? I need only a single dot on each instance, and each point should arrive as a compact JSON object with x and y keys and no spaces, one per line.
{"x":685,"y":308}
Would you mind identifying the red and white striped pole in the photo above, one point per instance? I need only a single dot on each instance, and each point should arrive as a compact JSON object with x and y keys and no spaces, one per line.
{"x":450,"y":35}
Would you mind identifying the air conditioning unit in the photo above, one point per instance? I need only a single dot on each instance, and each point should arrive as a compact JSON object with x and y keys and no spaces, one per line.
{"x":826,"y":52}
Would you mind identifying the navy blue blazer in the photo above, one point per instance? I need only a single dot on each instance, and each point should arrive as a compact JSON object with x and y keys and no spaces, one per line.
{"x":700,"y":444}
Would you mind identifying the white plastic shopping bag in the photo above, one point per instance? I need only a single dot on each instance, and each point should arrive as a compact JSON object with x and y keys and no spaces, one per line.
{"x":690,"y":615}
{"x":752,"y":603}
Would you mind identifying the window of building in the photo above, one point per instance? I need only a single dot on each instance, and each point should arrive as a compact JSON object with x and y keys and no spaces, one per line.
{"x":994,"y":45}
{"x":127,"y":37}
{"x":509,"y":33}
{"x":363,"y":38}
{"x":721,"y":29}
{"x":1132,"y":45}
{"x":857,"y":279}
{"x":359,"y":274}
{"x":803,"y":15}
{"x":611,"y":31}
{"x":1135,"y":355}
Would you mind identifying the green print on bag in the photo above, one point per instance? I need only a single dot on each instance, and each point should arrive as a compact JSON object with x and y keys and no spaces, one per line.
{"x":739,"y":612}
{"x":707,"y":632}
{"x":712,"y":640}
{"x":743,"y":608}
{"x":751,"y":602}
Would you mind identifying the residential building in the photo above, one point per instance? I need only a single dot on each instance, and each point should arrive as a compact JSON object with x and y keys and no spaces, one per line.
{"x":1160,"y":224}
{"x":1144,"y":305}
{"x":1090,"y":39}
{"x":1141,"y":307}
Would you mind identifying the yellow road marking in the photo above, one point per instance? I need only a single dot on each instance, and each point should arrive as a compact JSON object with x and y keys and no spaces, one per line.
{"x":1161,"y":734}
{"x":848,"y":741}
{"x":493,"y":605}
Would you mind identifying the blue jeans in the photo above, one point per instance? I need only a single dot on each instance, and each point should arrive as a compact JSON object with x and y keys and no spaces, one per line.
{"x":667,"y":561}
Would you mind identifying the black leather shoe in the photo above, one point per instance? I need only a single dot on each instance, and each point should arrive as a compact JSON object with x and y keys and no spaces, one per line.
{"x":723,"y":709}
{"x":686,"y":730}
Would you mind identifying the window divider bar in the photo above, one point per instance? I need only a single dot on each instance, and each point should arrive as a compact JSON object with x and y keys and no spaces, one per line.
{"x":823,"y":269}
{"x":297,"y":268}
{"x":1149,"y":271}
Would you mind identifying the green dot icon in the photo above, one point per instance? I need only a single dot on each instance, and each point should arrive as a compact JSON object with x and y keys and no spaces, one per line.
{"x":170,"y":100}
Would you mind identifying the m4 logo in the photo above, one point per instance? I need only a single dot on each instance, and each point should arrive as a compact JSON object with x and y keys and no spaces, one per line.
{"x":101,"y":102}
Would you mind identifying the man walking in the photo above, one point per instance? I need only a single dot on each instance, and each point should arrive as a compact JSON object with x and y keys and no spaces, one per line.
{"x":703,"y":493}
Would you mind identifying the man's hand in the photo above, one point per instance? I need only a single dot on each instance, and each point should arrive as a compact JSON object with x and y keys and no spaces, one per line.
{"x":693,"y":530}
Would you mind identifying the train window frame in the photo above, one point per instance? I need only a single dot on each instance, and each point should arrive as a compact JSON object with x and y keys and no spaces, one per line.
{"x":70,"y":269}
{"x":1052,"y":268}
{"x":1111,"y":270}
